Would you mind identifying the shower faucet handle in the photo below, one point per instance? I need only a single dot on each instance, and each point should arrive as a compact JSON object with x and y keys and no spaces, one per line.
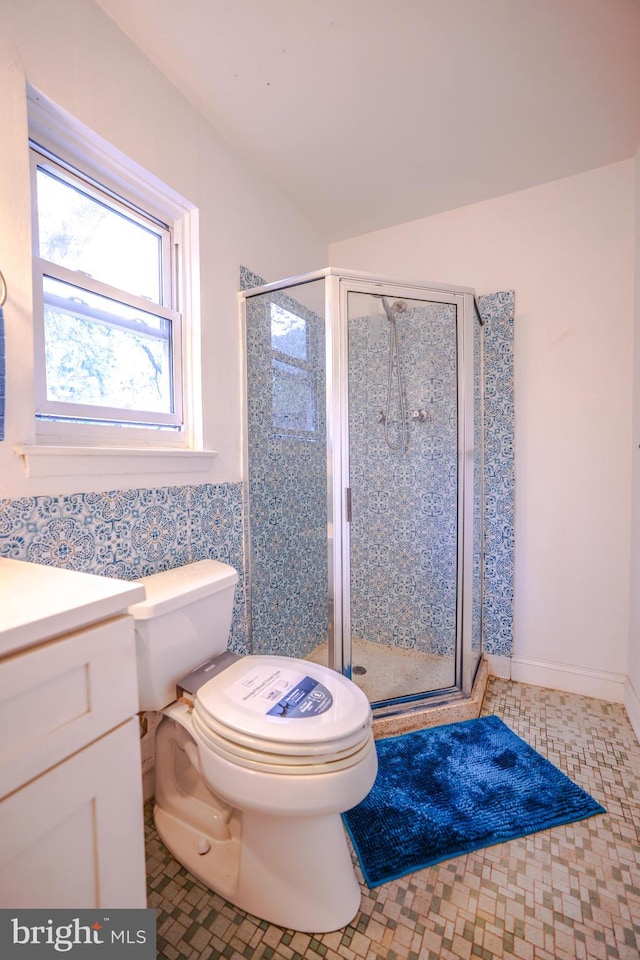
{"x":380,"y":417}
{"x":419,"y":415}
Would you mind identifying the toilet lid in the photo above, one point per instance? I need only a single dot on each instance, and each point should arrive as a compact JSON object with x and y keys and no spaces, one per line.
{"x":284,"y":706}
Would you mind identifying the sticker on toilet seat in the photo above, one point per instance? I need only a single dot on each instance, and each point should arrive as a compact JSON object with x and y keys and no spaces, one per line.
{"x":280,"y":692}
{"x":307,"y":699}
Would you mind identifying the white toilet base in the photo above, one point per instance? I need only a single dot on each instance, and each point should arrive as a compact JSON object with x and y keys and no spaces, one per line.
{"x":295,"y":872}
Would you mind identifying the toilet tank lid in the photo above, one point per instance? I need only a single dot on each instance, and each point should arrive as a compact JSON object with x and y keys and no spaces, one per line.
{"x":171,"y":589}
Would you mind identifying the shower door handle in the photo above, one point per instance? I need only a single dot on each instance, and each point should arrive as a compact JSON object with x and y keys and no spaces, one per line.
{"x":347,"y":504}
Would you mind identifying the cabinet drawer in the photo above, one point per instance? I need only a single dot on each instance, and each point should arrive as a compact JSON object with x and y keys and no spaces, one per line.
{"x":60,"y":696}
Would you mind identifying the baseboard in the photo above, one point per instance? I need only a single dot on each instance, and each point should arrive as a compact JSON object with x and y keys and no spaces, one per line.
{"x":562,"y":676}
{"x":632,"y":705}
{"x":614,"y":687}
{"x":570,"y":678}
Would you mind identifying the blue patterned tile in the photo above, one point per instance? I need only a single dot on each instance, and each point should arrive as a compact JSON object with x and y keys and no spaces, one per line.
{"x":128,"y":534}
{"x":497,"y":311}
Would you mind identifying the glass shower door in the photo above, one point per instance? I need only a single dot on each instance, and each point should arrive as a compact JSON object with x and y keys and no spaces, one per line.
{"x":287,"y":524}
{"x":404,"y":493}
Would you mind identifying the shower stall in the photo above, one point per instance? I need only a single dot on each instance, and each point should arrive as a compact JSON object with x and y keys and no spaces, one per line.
{"x":364,"y":481}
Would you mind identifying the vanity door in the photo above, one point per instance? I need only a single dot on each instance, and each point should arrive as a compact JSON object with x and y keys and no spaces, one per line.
{"x":74,"y":836}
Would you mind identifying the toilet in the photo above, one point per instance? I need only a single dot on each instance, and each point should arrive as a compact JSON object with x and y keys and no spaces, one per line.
{"x":257,"y":759}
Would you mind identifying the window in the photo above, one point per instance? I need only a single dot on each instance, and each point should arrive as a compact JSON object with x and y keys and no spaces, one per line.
{"x":108,"y":267}
{"x":294,"y":389}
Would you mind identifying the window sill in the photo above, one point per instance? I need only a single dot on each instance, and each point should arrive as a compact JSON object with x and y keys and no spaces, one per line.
{"x":58,"y":461}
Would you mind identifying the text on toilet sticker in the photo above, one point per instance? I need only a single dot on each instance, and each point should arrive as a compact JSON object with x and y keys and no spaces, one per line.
{"x":281,"y":692}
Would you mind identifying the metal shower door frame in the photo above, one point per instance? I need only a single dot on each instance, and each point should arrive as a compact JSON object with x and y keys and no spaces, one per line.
{"x":338,"y":287}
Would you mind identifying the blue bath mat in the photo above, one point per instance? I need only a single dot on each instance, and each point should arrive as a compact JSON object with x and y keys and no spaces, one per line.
{"x":449,"y":790}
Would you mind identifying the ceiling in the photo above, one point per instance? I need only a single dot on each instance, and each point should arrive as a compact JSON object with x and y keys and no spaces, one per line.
{"x":370,"y":113}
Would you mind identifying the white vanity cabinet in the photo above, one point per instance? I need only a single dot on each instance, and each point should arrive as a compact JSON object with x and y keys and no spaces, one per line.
{"x":71,"y":808}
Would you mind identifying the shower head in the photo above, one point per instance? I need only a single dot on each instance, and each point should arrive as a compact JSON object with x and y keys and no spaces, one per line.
{"x":398,"y":306}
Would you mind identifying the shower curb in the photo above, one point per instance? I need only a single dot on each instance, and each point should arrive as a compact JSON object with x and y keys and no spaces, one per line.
{"x":467,"y":708}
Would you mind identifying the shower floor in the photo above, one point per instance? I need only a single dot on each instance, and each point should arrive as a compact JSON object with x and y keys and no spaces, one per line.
{"x":392,"y":672}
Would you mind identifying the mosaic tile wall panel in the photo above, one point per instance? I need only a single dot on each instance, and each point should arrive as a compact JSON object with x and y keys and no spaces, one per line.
{"x":128,"y":534}
{"x":249,"y":279}
{"x":404,"y":527}
{"x":497,"y":311}
{"x":287,"y":472}
{"x":478,"y":484}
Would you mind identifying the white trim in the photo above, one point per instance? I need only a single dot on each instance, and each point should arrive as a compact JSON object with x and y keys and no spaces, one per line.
{"x":349,"y":275}
{"x":61,"y":133}
{"x":51,"y":461}
{"x":67,"y":138}
{"x":52,"y":433}
{"x":75,"y":282}
{"x":570,"y":678}
{"x":614,"y":687}
{"x":54,"y":271}
{"x":632,"y":705}
{"x":187,"y":300}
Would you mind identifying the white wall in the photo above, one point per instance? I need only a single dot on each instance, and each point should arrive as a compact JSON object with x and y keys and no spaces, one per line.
{"x":632,"y":699}
{"x":76,"y":56}
{"x":566,"y":248}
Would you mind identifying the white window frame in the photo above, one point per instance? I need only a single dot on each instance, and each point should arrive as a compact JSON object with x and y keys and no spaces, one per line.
{"x":61,"y":142}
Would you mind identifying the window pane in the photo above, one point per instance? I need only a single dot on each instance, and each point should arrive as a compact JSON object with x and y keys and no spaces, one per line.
{"x":79,"y":232}
{"x":288,"y":332}
{"x":103,"y":353}
{"x":293,"y":398}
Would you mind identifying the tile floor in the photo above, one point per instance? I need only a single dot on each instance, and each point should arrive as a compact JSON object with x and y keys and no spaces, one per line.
{"x":569,"y":893}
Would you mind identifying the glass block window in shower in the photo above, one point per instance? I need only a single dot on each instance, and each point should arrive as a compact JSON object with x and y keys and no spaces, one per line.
{"x":294,"y":389}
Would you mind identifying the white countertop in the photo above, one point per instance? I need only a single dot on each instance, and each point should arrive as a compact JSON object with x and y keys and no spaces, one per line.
{"x":38,"y":602}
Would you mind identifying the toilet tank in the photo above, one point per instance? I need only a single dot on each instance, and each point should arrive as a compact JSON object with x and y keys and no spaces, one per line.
{"x":184,"y":621}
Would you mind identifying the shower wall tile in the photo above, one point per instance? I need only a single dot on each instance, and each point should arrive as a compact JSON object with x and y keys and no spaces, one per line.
{"x":248,"y":279}
{"x":497,"y":310}
{"x":129,"y":534}
{"x":477,"y":594}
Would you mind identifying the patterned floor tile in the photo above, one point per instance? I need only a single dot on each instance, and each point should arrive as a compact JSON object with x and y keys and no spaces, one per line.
{"x":570,"y":893}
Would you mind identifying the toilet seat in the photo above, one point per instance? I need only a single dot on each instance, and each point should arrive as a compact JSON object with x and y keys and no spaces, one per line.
{"x":275,"y":763}
{"x":282,"y":747}
{"x":283,"y":715}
